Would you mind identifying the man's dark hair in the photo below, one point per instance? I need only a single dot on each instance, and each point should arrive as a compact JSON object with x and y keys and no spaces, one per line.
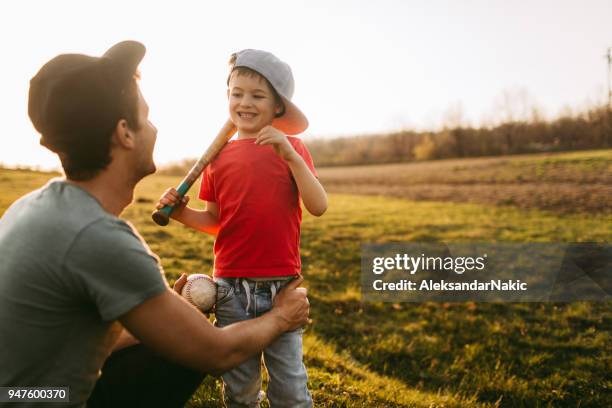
{"x":86,"y":151}
{"x":76,"y":101}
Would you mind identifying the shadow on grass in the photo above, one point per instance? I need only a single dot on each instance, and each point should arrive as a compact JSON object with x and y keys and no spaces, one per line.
{"x":528,"y":354}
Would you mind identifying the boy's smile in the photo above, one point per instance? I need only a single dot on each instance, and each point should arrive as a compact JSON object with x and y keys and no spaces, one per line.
{"x":251,"y":104}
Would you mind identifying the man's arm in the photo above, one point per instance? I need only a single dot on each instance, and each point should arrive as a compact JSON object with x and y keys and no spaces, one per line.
{"x":125,"y":340}
{"x":168,"y":324}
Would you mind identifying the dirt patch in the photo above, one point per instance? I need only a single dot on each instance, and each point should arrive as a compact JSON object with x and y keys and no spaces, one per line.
{"x":546,"y":182}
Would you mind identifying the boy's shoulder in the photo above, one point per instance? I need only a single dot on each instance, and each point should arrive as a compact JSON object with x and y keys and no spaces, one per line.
{"x":296,"y":141}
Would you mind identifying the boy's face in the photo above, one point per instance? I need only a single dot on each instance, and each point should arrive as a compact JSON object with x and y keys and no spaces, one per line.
{"x":251,"y":103}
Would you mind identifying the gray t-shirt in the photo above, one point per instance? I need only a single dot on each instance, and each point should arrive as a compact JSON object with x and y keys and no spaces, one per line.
{"x":68,"y":270}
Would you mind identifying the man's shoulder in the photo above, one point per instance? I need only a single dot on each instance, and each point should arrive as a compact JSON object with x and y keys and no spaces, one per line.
{"x":55,"y":210}
{"x":53,"y":217}
{"x":109,"y":237}
{"x":108,"y":229}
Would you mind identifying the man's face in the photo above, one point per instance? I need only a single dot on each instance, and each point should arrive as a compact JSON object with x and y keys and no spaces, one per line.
{"x":145,"y":138}
{"x":251,"y":103}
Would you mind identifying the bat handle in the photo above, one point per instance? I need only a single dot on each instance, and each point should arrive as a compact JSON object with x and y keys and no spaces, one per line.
{"x":162,"y":217}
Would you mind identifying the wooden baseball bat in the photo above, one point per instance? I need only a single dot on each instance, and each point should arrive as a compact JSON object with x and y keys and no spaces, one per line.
{"x":162,"y":217}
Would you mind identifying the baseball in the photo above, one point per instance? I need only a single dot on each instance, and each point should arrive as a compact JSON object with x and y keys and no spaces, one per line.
{"x":201,"y":291}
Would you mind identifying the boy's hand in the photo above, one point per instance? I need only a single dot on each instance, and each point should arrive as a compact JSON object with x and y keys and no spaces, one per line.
{"x":280,"y":143}
{"x":171,"y":197}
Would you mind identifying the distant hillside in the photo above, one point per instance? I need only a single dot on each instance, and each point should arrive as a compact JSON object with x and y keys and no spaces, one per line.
{"x":588,"y":130}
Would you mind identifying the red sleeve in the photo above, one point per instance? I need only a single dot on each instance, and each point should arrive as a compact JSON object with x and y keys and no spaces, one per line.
{"x":207,"y":187}
{"x":302,"y":150}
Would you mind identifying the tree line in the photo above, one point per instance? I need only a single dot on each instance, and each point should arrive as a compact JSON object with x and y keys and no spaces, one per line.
{"x":591,"y":129}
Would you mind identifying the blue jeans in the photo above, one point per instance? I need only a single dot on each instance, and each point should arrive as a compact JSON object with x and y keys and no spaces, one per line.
{"x":282,"y":358}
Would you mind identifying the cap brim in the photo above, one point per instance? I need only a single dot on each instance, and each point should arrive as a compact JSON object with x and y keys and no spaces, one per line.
{"x":293,"y":122}
{"x":127,"y":55}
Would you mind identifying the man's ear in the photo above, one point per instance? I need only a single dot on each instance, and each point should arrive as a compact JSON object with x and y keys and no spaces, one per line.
{"x":123,"y":135}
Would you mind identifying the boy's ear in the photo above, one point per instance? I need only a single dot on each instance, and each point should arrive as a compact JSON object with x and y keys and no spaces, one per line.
{"x":228,"y":93}
{"x":279,"y":110}
{"x":122,"y":136}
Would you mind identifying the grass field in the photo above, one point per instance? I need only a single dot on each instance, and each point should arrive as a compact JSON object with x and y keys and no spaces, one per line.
{"x":560,"y":182}
{"x":425,"y":354}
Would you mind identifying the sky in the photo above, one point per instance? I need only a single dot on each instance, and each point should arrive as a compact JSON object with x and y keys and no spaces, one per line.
{"x":360,"y":67}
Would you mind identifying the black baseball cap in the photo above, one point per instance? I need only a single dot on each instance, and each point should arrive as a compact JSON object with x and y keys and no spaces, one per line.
{"x":74,"y":93}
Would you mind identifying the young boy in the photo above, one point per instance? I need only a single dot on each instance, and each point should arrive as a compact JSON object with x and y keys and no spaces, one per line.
{"x":252,"y":192}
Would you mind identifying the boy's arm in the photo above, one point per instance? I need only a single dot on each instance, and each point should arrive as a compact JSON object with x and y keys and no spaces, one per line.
{"x":202,"y":220}
{"x":312,"y":192}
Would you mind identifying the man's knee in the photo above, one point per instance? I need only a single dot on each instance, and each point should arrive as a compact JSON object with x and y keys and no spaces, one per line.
{"x":136,"y":376}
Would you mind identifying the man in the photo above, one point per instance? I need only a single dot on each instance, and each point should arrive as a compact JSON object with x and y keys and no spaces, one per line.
{"x":76,"y":282}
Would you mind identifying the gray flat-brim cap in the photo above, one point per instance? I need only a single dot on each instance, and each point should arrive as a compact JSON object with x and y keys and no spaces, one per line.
{"x":279,"y":74}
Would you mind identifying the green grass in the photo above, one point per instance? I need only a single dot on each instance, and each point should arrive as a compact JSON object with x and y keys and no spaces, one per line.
{"x":586,"y":157}
{"x":430,"y":354}
{"x":566,"y":183}
{"x":581,"y":163}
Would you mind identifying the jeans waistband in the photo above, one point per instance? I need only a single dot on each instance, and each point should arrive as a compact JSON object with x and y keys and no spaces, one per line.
{"x":263,"y":279}
{"x":243,"y":284}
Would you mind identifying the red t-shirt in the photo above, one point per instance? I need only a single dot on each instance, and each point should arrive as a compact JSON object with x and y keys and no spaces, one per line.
{"x":259,"y":210}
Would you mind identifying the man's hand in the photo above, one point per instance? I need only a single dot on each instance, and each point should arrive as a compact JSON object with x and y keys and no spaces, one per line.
{"x":178,"y":288}
{"x":280,"y":143}
{"x":179,"y":283}
{"x":291,"y":305}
